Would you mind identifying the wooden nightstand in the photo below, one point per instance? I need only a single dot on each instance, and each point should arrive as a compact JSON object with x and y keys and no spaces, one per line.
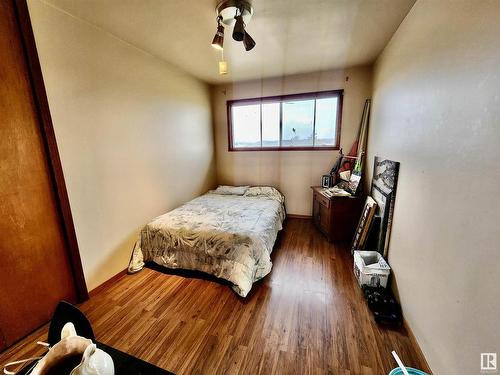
{"x":336,"y":217}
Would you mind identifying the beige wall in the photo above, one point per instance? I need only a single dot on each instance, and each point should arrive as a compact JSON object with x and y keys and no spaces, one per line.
{"x":436,"y":109}
{"x":134,"y":134}
{"x":292,"y":172}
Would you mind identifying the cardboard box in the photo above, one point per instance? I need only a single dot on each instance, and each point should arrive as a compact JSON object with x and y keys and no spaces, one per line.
{"x":371,"y":269}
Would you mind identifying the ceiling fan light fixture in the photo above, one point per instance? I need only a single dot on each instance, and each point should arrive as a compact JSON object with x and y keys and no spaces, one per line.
{"x":236,"y":14}
{"x":248,"y":42}
{"x":239,"y":28}
{"x":218,"y":41}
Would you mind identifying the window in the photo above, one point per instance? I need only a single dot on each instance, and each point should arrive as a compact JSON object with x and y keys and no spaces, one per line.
{"x":291,"y":122}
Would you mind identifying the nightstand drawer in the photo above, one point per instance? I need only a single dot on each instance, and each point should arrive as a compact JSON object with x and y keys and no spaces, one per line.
{"x":322,"y":199}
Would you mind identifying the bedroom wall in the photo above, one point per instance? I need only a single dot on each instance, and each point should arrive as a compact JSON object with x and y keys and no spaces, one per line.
{"x":134,"y":133}
{"x":292,"y":172}
{"x":436,"y":109}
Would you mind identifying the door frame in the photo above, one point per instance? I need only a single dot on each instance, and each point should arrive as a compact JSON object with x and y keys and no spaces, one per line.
{"x":50,"y":145}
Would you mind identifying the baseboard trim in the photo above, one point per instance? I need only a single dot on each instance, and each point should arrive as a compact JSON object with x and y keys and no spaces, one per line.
{"x":414,"y":343}
{"x":108,"y":283}
{"x":293,"y":216}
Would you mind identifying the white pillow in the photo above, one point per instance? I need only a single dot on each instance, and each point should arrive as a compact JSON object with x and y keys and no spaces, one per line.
{"x":266,"y":192}
{"x":231,"y":190}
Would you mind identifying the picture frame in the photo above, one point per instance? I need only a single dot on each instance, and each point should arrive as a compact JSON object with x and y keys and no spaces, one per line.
{"x":364,"y":225}
{"x":383,"y":191}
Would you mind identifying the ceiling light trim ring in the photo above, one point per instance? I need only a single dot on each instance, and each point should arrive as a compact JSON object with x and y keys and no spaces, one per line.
{"x":226,"y":9}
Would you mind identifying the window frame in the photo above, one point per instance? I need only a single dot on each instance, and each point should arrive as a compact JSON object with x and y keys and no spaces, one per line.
{"x":339,"y":94}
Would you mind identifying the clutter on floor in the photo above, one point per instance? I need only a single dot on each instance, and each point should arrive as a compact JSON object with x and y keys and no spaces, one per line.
{"x":72,"y":349}
{"x":371,"y":239}
{"x":371,"y":269}
{"x":384,"y":307}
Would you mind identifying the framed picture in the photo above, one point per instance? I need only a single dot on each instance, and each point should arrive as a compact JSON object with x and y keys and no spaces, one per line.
{"x":364,"y":224}
{"x":383,"y":191}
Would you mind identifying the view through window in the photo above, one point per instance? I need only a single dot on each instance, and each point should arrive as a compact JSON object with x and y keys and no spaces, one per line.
{"x":301,"y":121}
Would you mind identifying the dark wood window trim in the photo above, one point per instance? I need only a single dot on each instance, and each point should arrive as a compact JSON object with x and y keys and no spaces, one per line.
{"x":47,"y":131}
{"x":280,"y":98}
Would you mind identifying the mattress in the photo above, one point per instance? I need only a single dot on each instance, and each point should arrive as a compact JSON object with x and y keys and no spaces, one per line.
{"x":228,"y":236}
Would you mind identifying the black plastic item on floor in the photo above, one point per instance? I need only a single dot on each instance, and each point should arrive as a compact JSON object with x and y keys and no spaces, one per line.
{"x":125,"y":364}
{"x":66,"y":312}
{"x":386,"y":310}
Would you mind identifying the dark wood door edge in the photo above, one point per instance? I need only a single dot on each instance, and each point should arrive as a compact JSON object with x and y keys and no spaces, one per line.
{"x":47,"y":131}
{"x":3,"y":344}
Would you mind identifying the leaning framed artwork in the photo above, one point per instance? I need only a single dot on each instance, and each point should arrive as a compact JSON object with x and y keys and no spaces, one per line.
{"x":361,"y":234}
{"x":383,"y":191}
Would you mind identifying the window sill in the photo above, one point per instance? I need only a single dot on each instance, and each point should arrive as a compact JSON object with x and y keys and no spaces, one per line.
{"x":326,"y":148}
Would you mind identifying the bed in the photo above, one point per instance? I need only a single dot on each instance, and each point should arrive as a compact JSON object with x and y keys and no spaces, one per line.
{"x":228,"y":233}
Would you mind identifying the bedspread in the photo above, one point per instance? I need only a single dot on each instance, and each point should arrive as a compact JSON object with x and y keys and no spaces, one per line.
{"x":228,"y":236}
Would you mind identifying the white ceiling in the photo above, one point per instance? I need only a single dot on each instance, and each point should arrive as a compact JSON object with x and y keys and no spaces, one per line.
{"x":293,"y":36}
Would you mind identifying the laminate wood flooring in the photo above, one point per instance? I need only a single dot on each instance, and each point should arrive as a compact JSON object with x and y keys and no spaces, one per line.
{"x":307,"y":317}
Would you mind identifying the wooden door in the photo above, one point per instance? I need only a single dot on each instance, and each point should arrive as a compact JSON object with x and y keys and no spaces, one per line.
{"x":36,"y":269}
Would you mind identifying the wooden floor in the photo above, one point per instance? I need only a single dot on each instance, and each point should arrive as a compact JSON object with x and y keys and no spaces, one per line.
{"x":307,"y":317}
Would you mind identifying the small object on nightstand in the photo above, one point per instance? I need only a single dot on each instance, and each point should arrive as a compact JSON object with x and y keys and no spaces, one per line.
{"x":326,"y":181}
{"x":335,"y":216}
{"x":328,"y":193}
